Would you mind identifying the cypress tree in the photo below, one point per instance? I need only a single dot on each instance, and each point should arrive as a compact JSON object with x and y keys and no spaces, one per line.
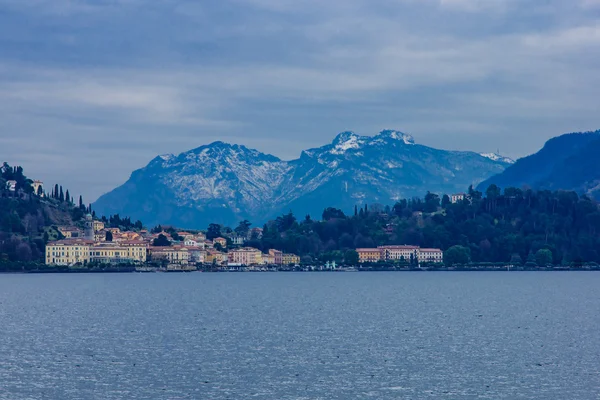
{"x":61,"y":195}
{"x":55,"y":191}
{"x":80,"y":201}
{"x":68,"y":197}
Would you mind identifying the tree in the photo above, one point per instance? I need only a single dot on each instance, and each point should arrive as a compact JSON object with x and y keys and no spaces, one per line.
{"x":80,"y":202}
{"x":457,"y":255}
{"x":331,"y":213}
{"x":243,"y":228}
{"x":109,"y":236}
{"x":161,"y":241}
{"x":432,"y":202}
{"x":56,"y":192}
{"x":351,"y":257}
{"x":445,"y":201}
{"x":68,"y":196}
{"x":543,"y":257}
{"x":61,"y":195}
{"x":213,"y":232}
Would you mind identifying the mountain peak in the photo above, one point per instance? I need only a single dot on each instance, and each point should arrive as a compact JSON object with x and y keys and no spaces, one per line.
{"x":345,"y":141}
{"x":397,"y":135}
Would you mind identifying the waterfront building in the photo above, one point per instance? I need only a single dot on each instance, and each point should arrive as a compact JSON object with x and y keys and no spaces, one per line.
{"x":197,"y":255}
{"x":396,"y":253}
{"x":245,"y":256}
{"x":68,"y":252}
{"x":277,"y":256}
{"x":431,"y":255}
{"x":290,"y":259}
{"x":172,"y":254}
{"x":368,"y":255}
{"x":118,"y":253}
{"x":268,"y":259}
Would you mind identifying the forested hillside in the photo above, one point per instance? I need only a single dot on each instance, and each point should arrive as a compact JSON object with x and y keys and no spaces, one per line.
{"x":28,"y":220}
{"x":513,"y":225}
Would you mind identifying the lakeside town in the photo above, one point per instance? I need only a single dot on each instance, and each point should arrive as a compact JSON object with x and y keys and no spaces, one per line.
{"x":166,"y":250}
{"x":49,"y":231}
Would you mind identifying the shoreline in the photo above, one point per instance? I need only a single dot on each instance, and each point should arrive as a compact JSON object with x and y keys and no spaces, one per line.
{"x":116,"y":271}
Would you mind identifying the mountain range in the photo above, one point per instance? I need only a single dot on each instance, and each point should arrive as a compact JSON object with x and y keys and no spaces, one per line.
{"x":225,"y":183}
{"x":567,"y":162}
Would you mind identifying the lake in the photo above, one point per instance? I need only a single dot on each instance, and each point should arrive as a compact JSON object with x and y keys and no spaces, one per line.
{"x":431,"y":335}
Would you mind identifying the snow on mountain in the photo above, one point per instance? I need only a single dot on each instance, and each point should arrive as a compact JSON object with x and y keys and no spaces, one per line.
{"x":225,"y":183}
{"x":497,"y":157}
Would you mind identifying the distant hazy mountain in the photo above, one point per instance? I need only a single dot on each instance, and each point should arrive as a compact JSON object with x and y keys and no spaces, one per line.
{"x":567,"y":162}
{"x":225,"y":183}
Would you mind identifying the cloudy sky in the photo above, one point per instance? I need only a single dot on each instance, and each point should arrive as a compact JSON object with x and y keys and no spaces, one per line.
{"x":93,"y":89}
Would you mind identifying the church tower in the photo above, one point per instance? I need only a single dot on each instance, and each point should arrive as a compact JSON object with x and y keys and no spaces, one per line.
{"x":89,"y":227}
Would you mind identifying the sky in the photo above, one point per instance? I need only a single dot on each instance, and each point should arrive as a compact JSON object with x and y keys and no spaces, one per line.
{"x":91,"y":90}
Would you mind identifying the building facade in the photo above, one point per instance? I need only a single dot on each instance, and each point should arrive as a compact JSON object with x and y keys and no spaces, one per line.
{"x":68,"y":252}
{"x":290,"y":259}
{"x":98,"y":226}
{"x":245,"y":256}
{"x":431,"y":255}
{"x":277,"y":256}
{"x":455,"y":198}
{"x":368,"y":255}
{"x":172,"y":254}
{"x":398,"y":253}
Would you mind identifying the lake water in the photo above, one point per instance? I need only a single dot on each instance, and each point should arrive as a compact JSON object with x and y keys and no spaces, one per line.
{"x":492,"y":335}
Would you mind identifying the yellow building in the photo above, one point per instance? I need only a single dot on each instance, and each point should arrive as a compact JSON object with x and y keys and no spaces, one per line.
{"x":98,"y":226}
{"x":36,"y":187}
{"x":268,"y":259}
{"x":115,"y":253}
{"x":368,"y":255}
{"x":290,"y":259}
{"x":68,"y":252}
{"x":172,"y":254}
{"x":216,"y":257}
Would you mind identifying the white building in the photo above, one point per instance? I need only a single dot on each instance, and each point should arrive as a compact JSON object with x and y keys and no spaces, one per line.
{"x":190,"y":242}
{"x":11,"y":185}
{"x":393,"y":253}
{"x":431,"y":255}
{"x":455,"y":198}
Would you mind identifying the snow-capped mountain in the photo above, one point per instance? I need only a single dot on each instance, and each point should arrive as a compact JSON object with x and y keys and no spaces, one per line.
{"x":225,"y":183}
{"x":497,"y":157}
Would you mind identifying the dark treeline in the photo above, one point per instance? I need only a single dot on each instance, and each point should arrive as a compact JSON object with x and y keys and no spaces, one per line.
{"x":123,"y":223}
{"x":511,"y":226}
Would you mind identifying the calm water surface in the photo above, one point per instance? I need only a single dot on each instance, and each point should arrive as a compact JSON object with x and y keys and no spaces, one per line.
{"x":278,"y":336}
